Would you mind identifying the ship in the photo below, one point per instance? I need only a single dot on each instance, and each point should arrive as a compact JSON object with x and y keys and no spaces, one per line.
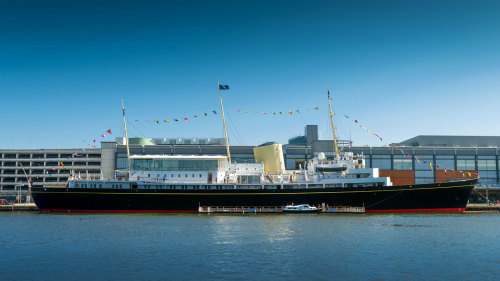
{"x":191,"y":183}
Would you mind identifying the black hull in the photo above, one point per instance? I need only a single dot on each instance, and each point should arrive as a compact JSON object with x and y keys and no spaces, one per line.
{"x":437,"y":197}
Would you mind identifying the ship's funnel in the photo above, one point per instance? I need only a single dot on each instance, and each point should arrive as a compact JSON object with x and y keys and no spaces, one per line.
{"x":271,"y":154}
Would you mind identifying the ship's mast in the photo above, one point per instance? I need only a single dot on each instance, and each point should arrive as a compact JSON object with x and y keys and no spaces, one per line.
{"x":224,"y":124}
{"x":126,"y":138}
{"x":333,"y":126}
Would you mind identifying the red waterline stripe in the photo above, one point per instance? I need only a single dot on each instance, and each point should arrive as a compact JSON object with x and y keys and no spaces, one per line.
{"x":116,"y":211}
{"x":438,"y":210}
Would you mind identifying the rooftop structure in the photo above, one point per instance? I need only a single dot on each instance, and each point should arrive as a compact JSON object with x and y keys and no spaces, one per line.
{"x":452,"y":141}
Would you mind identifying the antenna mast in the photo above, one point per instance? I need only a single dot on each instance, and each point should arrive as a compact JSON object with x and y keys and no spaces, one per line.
{"x":224,"y":124}
{"x":126,"y":138}
{"x":333,"y":126}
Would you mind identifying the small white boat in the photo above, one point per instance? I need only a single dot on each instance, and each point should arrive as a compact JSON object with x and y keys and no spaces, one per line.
{"x":303,"y":208}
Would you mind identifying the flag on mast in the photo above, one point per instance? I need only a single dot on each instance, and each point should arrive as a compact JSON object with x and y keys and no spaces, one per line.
{"x":223,"y":87}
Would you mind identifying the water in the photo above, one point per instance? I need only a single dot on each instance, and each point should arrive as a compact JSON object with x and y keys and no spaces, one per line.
{"x":249,"y":247}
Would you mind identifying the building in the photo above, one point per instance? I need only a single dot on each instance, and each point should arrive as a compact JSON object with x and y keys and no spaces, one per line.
{"x":310,"y":134}
{"x":43,"y":166}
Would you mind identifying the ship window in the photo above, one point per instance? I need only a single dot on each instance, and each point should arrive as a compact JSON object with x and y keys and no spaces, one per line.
{"x":186,"y":175}
{"x":172,"y":175}
{"x":200,"y":175}
{"x":179,"y":175}
{"x":193,"y":175}
{"x":76,"y":185}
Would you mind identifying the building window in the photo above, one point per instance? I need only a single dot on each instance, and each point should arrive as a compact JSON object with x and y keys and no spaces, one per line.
{"x":466,"y":164}
{"x":486,"y":165}
{"x":382,"y":164}
{"x":423,"y":163}
{"x":402,"y":164}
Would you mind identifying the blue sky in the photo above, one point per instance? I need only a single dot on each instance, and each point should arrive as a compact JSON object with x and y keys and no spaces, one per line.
{"x":403,"y":68}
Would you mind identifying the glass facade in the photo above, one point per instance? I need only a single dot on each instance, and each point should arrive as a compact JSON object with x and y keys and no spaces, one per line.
{"x":423,"y":163}
{"x":402,"y":164}
{"x":486,"y":165}
{"x":174,"y":164}
{"x":447,"y":162}
{"x":383,"y":162}
{"x":466,"y":164}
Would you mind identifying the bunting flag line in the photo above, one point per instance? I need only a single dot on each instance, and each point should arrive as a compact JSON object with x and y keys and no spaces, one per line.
{"x":214,"y":112}
{"x":91,"y":144}
{"x":363,"y":126}
{"x":436,"y":167}
{"x":62,"y":165}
